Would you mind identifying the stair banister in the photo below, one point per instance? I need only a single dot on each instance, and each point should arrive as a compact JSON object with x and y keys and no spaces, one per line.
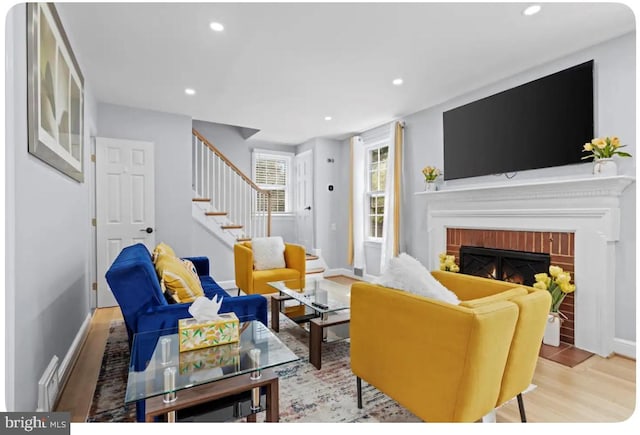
{"x":215,"y":177}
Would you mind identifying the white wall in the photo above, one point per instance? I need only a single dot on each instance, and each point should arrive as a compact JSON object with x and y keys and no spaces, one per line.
{"x":48,"y":251}
{"x":171,"y":136}
{"x":614,"y":83}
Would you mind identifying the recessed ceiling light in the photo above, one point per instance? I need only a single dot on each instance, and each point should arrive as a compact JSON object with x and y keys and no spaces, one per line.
{"x":397,"y":82}
{"x":327,"y":118}
{"x":190,"y":91}
{"x":216,"y":27}
{"x":532,"y":10}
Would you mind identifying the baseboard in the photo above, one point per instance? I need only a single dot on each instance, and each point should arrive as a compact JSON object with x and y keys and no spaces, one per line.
{"x":624,"y":347}
{"x":72,"y":354}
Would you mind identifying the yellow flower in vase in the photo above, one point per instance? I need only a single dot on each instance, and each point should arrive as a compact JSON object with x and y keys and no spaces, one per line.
{"x":554,"y":271}
{"x":431,"y":173}
{"x":448,"y":263}
{"x":543,"y":278}
{"x":567,"y":287}
{"x":540,"y":285}
{"x":604,"y":148}
{"x":558,"y":284}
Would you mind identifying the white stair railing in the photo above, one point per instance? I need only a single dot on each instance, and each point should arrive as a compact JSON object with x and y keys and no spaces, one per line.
{"x":241,"y":206}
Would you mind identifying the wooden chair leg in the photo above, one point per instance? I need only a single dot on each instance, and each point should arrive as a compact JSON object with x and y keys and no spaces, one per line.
{"x":359,"y":388}
{"x":523,"y":416}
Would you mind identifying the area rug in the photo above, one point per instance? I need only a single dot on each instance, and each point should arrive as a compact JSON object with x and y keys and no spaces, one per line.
{"x":306,"y":394}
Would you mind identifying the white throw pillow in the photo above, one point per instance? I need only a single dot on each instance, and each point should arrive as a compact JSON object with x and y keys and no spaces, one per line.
{"x":406,"y":273}
{"x":268,"y":253}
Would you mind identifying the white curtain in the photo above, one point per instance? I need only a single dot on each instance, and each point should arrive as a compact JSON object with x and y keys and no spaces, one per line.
{"x":358,"y":180}
{"x":390,"y":230}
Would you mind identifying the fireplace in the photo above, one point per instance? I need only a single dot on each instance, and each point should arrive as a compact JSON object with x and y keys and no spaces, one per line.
{"x":502,"y":264}
{"x":540,"y":248}
{"x":577,"y":220}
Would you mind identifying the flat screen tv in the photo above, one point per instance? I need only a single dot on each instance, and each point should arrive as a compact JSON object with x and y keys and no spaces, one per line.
{"x":539,"y":124}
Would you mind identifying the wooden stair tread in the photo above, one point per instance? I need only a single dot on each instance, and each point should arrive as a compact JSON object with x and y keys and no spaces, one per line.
{"x":312,"y":257}
{"x":312,"y":271}
{"x":231,"y":227}
{"x":201,"y":199}
{"x":243,"y":239}
{"x":215,"y":213}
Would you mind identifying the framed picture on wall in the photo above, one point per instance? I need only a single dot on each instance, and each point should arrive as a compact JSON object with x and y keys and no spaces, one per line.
{"x":56,"y":93}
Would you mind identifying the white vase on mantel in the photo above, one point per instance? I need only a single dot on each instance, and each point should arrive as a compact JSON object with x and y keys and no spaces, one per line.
{"x":552,"y":330}
{"x":430,"y":186}
{"x":605,"y":167}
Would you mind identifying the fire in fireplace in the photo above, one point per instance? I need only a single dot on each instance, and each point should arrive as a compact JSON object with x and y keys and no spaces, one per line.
{"x":502,"y":264}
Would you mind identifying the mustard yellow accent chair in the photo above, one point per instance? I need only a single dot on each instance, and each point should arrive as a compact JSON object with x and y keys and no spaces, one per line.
{"x":444,"y":362}
{"x":255,"y":281}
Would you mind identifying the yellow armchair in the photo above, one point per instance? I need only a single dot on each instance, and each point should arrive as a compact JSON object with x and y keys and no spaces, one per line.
{"x":255,"y":281}
{"x":443,"y":362}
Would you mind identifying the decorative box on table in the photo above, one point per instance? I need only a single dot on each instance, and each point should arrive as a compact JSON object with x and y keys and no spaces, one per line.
{"x":209,"y":358}
{"x":197,"y":335}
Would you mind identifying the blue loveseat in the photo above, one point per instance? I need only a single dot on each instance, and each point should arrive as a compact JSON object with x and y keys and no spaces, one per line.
{"x":134,"y":283}
{"x":133,"y":280}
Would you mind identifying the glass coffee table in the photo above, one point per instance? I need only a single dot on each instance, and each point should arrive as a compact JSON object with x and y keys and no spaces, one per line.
{"x":326,"y":306}
{"x":165,"y":382}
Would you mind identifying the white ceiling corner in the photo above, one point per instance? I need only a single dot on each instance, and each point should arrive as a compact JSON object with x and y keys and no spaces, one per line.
{"x":280,"y":68}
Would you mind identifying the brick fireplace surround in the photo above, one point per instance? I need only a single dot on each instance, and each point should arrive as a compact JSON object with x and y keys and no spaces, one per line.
{"x":575,"y":220}
{"x":559,"y":245}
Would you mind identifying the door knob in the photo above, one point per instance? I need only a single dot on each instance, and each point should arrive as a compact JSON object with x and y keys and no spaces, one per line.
{"x":308,"y":207}
{"x":148,"y":230}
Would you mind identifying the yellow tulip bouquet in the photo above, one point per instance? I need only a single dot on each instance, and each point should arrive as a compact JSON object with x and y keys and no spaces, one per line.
{"x":448,"y":263}
{"x":558,"y":284}
{"x":430,"y":173}
{"x":604,"y":148}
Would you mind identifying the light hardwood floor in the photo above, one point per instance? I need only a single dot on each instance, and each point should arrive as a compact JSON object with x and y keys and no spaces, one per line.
{"x":597,"y":390}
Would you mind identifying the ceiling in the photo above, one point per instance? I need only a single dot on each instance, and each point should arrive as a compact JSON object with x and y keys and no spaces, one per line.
{"x":281,"y":68}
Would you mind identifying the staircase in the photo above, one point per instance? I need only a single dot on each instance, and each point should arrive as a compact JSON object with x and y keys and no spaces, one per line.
{"x":225,"y":201}
{"x":315,"y":264}
{"x":228,"y":203}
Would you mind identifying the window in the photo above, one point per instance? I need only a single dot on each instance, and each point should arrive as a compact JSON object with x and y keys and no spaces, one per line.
{"x":375,"y":190}
{"x":271,"y":171}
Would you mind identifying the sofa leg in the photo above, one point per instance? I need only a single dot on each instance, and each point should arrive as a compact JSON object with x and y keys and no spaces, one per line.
{"x":359,"y":388}
{"x":523,"y":416}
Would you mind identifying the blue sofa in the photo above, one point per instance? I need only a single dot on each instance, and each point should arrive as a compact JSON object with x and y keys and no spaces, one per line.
{"x":134,"y":283}
{"x":133,"y":280}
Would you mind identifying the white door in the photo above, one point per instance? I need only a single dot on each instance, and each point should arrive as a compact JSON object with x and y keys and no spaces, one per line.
{"x":303,"y":199}
{"x":124,"y":203}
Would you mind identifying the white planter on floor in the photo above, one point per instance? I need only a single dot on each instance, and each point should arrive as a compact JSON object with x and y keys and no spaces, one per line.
{"x":552,"y":331}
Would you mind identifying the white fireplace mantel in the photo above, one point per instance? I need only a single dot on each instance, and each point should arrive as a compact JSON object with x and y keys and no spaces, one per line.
{"x":589,"y":207}
{"x":588,"y":187}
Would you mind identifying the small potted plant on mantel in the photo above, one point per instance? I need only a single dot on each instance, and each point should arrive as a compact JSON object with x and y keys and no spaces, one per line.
{"x":431,"y":173}
{"x":602,"y":150}
{"x":559,"y":285}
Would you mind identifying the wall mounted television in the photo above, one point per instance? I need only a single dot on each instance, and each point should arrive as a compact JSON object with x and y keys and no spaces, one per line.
{"x":539,"y":124}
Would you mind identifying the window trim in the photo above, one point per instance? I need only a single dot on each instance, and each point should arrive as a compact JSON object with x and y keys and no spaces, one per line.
{"x":288,"y":190}
{"x":381,"y":143}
